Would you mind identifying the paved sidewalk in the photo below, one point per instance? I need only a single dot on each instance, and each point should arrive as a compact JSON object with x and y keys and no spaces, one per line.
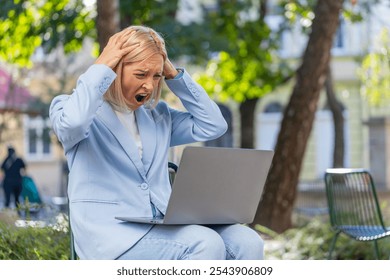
{"x":2,"y":200}
{"x":47,"y":214}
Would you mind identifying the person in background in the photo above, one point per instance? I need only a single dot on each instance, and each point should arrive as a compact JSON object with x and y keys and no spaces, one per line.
{"x":116,"y":134}
{"x":13,"y":168}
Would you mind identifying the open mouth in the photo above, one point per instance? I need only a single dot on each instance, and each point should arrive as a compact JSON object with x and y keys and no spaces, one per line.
{"x":140,"y":97}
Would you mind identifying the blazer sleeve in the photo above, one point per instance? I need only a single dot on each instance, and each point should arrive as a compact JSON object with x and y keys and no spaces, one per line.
{"x":203,"y":120}
{"x":72,"y":115}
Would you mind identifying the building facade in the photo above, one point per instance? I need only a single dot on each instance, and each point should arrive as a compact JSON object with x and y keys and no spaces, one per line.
{"x":366,"y":126}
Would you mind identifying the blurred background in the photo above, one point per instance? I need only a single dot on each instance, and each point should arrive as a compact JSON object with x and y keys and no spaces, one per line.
{"x":323,"y":73}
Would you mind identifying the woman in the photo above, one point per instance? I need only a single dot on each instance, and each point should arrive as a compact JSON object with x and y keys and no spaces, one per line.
{"x":116,"y":135}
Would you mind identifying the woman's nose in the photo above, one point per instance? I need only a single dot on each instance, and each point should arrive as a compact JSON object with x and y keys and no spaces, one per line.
{"x":148,"y":86}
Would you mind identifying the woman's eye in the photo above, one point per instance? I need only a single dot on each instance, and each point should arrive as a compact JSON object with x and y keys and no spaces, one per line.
{"x":140,"y":75}
{"x":156,"y":77}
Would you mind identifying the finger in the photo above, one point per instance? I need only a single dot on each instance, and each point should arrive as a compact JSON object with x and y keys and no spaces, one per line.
{"x":116,"y":37}
{"x":123,"y":37}
{"x":130,"y":44}
{"x":125,"y":42}
{"x":134,"y":45}
{"x":127,"y":31}
{"x":129,"y":49}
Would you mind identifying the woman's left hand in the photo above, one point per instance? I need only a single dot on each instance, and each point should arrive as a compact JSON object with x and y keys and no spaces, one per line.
{"x":169,"y":71}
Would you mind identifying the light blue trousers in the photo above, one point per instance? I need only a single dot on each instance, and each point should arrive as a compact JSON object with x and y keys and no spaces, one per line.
{"x":196,"y":242}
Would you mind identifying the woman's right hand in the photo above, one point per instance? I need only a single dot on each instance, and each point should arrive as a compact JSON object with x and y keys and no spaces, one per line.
{"x":115,"y":50}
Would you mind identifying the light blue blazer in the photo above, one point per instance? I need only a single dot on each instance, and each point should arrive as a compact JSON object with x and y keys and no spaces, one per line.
{"x":107,"y":176}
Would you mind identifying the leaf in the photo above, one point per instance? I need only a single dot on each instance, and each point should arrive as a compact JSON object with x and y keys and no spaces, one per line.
{"x":46,"y":24}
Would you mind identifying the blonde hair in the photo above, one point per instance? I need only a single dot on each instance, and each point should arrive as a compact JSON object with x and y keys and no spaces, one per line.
{"x":150,"y":43}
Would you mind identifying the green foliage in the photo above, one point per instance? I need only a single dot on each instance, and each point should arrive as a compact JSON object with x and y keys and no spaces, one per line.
{"x":302,"y":11}
{"x":194,"y":41}
{"x":230,"y":77}
{"x":148,"y":12}
{"x":374,"y":72}
{"x":312,"y":242}
{"x":33,"y":243}
{"x":247,"y":66}
{"x":299,"y":10}
{"x":27,"y":25}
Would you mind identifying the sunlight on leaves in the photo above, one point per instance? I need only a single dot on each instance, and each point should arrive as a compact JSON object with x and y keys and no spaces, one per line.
{"x":374,"y":72}
{"x":44,"y":24}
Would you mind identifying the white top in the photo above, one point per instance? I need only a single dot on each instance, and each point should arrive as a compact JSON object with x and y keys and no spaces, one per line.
{"x":127,"y":118}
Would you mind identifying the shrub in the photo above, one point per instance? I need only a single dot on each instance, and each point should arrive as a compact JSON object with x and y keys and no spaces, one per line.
{"x":34,"y":243}
{"x":312,"y":241}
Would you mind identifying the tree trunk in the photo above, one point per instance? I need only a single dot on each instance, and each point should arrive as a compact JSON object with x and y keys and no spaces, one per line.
{"x":247,"y":113}
{"x":107,"y":20}
{"x":338,"y":121}
{"x":277,"y":203}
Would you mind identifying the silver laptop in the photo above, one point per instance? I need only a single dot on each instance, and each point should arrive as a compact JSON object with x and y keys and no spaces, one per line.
{"x":215,"y":186}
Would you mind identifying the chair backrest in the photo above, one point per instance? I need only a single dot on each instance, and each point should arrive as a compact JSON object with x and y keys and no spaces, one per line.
{"x":352,"y":198}
{"x":172,"y":169}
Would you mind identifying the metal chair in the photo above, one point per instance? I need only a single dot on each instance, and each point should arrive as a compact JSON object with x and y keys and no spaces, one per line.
{"x":172,"y":169}
{"x":353,"y":206}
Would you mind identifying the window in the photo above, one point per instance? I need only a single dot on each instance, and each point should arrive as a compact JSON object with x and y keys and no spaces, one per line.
{"x":339,"y":46}
{"x":274,"y":107}
{"x":37,"y":138}
{"x":268,"y":126}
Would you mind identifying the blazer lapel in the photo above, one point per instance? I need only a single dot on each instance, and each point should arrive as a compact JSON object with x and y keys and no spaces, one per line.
{"x":107,"y":115}
{"x":147,"y":130}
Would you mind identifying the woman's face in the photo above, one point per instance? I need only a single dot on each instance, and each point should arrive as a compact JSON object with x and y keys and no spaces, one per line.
{"x":140,"y":79}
